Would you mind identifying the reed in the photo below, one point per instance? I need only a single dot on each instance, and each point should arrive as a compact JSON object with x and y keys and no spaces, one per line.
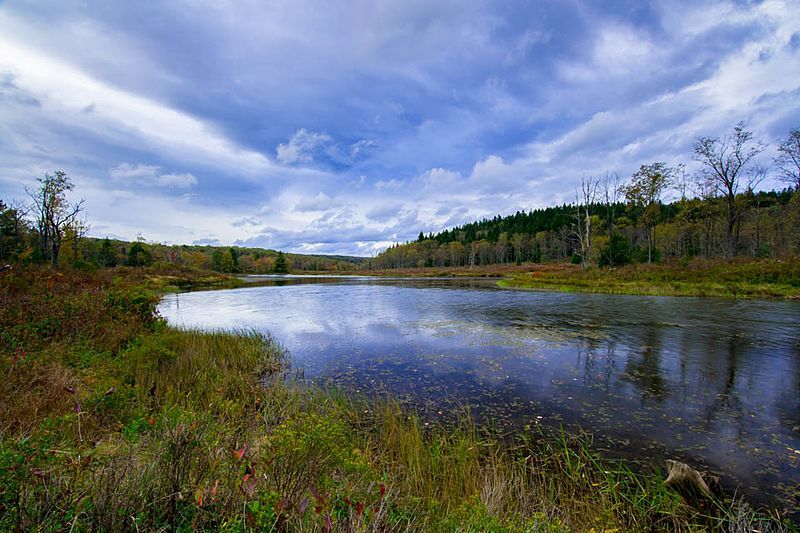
{"x":153,"y":428}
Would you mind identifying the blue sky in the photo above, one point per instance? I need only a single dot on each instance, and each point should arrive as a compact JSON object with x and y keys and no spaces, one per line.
{"x":342,"y":127}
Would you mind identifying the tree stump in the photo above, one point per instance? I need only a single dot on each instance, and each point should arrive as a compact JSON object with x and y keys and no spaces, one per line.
{"x":695,"y":488}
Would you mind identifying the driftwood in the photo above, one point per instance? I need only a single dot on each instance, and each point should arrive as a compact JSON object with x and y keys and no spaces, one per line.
{"x":695,"y":488}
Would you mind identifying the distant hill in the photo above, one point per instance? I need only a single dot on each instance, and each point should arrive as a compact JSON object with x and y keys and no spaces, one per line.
{"x":108,"y":252}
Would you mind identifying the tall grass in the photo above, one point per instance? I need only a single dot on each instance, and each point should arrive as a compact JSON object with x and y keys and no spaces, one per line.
{"x":168,"y":429}
{"x":736,"y":279}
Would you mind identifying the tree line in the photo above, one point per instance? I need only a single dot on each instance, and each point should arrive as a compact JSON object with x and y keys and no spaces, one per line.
{"x":50,"y":228}
{"x":718,"y":213}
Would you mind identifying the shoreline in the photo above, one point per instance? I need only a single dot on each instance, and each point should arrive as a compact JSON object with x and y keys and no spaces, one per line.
{"x":740,"y":279}
{"x":114,"y":410}
{"x":772,"y":279}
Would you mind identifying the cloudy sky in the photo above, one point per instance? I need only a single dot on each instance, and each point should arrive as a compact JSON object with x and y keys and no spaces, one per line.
{"x":342,"y":127}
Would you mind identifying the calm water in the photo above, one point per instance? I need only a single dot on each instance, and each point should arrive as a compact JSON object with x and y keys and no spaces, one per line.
{"x":712,"y":382}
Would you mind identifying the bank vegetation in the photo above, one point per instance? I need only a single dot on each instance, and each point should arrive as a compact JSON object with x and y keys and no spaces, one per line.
{"x":114,"y":421}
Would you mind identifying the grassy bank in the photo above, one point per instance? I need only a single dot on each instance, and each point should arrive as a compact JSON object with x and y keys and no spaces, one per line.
{"x":162,"y":278}
{"x":479,"y":271}
{"x":745,"y":279}
{"x":113,"y":421}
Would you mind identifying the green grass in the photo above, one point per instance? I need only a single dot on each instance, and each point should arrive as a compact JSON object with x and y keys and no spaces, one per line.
{"x":751,"y":279}
{"x":114,"y":421}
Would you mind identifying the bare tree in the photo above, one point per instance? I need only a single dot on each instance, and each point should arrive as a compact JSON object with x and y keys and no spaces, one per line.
{"x":788,"y":159}
{"x":682,"y":181}
{"x":755,"y":176}
{"x":612,"y":191}
{"x":54,"y":212}
{"x":724,"y":160}
{"x":473,"y":252}
{"x":585,"y":197}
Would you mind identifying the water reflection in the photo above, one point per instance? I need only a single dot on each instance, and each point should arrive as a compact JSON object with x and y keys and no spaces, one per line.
{"x":706,"y":380}
{"x":644,"y":369}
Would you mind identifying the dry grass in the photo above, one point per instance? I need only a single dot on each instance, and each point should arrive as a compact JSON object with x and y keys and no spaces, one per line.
{"x":737,"y":279}
{"x":120,"y":423}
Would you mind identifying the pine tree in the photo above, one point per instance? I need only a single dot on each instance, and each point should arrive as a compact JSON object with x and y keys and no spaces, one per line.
{"x":234,"y":259}
{"x":107,"y":256}
{"x":280,"y":265}
{"x":138,"y":255}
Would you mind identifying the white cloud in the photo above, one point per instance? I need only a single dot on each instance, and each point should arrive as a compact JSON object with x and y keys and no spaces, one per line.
{"x":180,"y":181}
{"x":494,"y":172}
{"x":134,"y":173}
{"x":491,"y":174}
{"x":441,"y":179}
{"x":756,"y":80}
{"x":151,"y":175}
{"x":621,"y":50}
{"x":388,"y":185}
{"x":320,"y":202}
{"x":157,"y":217}
{"x":65,"y":91}
{"x":301,"y":147}
{"x":385,"y":212}
{"x":358,"y":148}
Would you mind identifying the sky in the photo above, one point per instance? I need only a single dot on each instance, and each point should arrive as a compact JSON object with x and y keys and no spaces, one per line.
{"x":342,"y":127}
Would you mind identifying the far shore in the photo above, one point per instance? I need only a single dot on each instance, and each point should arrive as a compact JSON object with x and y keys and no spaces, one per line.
{"x":762,"y":278}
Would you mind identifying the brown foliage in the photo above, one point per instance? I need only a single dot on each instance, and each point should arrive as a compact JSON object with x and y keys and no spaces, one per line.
{"x":49,"y":320}
{"x":32,"y":390}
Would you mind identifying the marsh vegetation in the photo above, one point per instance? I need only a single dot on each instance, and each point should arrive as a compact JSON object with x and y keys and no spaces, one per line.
{"x":114,"y":421}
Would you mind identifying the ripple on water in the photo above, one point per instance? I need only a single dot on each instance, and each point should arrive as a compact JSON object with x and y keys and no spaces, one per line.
{"x":710,"y":381}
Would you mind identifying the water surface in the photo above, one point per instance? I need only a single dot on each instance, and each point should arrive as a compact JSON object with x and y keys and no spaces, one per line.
{"x":713,"y":382}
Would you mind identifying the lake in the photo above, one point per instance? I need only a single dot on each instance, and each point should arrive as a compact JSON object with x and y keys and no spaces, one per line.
{"x":712,"y":382}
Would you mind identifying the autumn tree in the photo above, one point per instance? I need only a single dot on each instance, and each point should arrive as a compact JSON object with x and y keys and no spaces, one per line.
{"x":724,"y":161}
{"x":643,"y":194}
{"x":14,"y":232}
{"x":74,"y":234}
{"x":222,"y":260}
{"x":54,"y":212}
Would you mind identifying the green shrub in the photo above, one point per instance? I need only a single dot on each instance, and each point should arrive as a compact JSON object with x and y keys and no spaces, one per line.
{"x":616,"y":252}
